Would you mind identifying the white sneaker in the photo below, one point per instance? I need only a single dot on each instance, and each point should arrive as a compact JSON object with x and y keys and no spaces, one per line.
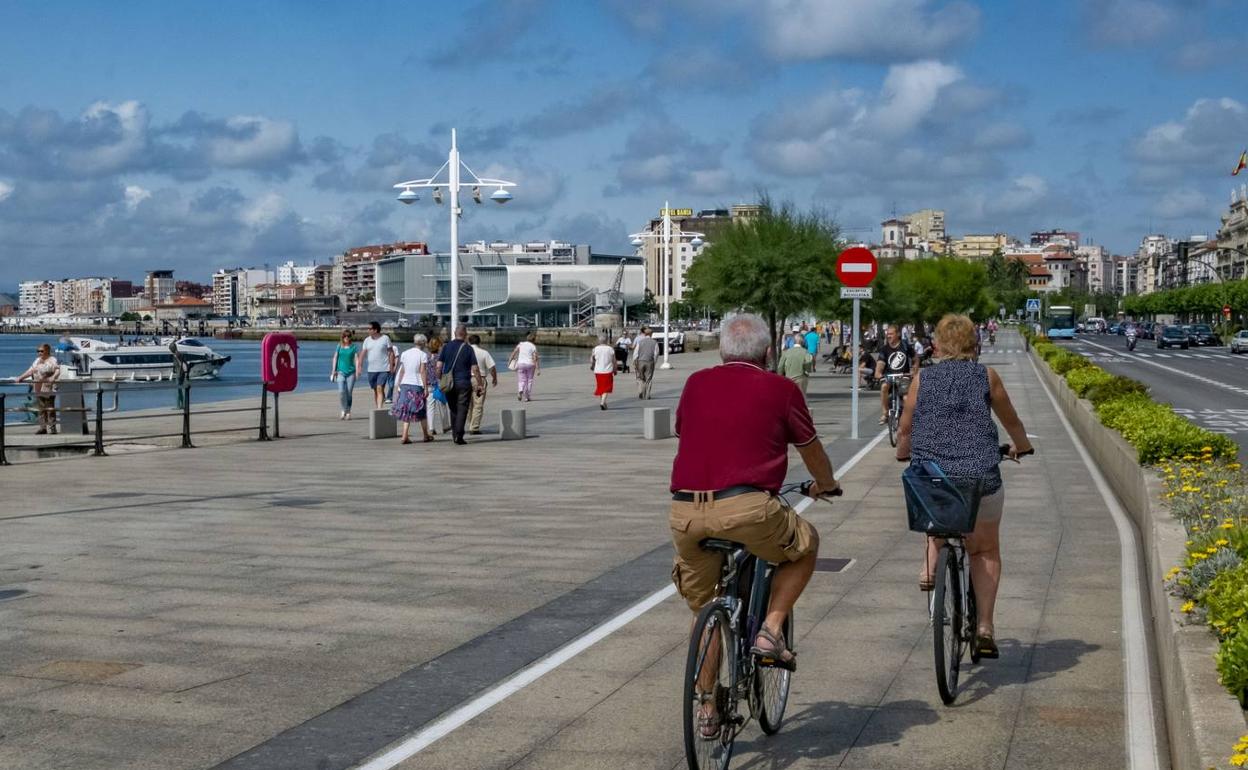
{"x":347,"y":416}
{"x":342,"y":415}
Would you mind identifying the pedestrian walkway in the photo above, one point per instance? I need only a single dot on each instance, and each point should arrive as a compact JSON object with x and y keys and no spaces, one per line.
{"x":306,"y":602}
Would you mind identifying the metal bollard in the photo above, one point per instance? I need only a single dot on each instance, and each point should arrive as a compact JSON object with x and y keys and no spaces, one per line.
{"x":3,"y":460}
{"x":99,"y":422}
{"x":264,"y":414}
{"x":277,"y":418}
{"x":186,"y":415}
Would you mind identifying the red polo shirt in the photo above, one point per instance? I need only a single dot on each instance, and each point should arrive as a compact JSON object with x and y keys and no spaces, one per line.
{"x":736,"y":423}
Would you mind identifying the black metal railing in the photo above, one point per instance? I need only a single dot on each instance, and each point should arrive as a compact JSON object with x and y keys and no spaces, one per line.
{"x":93,"y":408}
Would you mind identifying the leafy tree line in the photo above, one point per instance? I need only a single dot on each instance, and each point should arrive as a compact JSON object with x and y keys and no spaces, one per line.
{"x":1202,"y":302}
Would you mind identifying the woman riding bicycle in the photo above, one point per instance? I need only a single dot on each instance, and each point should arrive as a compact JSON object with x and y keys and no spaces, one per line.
{"x":947,"y":419}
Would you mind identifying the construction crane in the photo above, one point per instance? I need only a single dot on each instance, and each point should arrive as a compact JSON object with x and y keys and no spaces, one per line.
{"x":616,"y":295}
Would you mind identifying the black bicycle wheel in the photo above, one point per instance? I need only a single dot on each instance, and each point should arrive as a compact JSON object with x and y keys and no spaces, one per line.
{"x":971,"y":620}
{"x":710,"y":670}
{"x":892,"y":427}
{"x":771,"y":686}
{"x":947,"y":625}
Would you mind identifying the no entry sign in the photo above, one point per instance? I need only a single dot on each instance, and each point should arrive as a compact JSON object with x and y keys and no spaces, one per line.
{"x":856,"y":267}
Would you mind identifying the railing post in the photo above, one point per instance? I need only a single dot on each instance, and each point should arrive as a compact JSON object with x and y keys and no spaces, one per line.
{"x":264,"y":414}
{"x":185,"y":385}
{"x":3,"y":459}
{"x":99,"y":421}
{"x":277,"y":418}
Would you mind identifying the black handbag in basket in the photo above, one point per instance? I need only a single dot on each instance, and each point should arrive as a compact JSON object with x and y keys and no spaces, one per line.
{"x":937,"y":504}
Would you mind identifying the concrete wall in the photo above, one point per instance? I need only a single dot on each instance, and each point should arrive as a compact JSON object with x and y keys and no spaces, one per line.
{"x":1203,"y":722}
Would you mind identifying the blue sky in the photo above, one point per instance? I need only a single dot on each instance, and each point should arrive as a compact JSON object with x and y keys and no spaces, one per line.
{"x":194,"y":136}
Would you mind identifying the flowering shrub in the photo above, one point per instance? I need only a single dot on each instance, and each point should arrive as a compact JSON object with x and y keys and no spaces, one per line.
{"x":1083,"y":379}
{"x":1157,"y":432}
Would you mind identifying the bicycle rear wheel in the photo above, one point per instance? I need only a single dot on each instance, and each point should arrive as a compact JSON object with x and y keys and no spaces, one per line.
{"x":771,"y":685}
{"x":709,"y":674}
{"x":947,"y":624}
{"x":892,"y":424}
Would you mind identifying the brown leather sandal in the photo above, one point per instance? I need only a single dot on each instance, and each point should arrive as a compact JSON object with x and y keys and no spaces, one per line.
{"x":776,"y":652}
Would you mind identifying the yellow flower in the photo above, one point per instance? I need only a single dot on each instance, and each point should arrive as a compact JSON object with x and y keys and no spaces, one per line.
{"x":1232,"y":466}
{"x":1206,"y":449}
{"x":1211,"y":549}
{"x":1226,"y":524}
{"x":1189,"y":542}
{"x":1188,"y":606}
{"x":1238,"y":760}
{"x":1221,"y":541}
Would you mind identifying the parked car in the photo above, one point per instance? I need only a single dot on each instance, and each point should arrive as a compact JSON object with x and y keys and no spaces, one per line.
{"x":1146,"y":330}
{"x":1116,"y":329}
{"x":1202,"y":335}
{"x":1173,"y":336}
{"x":1239,"y":343}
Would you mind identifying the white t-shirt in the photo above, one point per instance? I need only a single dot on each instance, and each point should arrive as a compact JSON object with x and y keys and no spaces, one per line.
{"x":413,"y":362}
{"x":485,"y":361}
{"x":526,"y":353}
{"x":377,"y":353}
{"x":604,"y":359}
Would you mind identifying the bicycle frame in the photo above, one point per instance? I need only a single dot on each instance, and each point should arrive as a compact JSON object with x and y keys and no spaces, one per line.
{"x":746,"y":613}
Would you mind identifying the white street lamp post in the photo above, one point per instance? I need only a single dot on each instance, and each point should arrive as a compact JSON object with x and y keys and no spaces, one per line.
{"x":666,"y":238}
{"x":453,"y":182}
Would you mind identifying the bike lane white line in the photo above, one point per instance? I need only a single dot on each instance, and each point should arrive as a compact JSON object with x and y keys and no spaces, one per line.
{"x":462,"y":715}
{"x":1141,"y":737}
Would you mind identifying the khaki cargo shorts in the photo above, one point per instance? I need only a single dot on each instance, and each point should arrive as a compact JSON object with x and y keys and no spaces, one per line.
{"x":764,"y":524}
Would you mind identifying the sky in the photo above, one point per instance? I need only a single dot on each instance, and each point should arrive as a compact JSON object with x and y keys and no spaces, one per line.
{"x":194,"y":136}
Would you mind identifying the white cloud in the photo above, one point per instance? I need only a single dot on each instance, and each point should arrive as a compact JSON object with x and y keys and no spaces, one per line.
{"x":252,"y":140}
{"x":910,"y":92}
{"x":116,"y":134}
{"x":1128,"y":22}
{"x":264,"y":211}
{"x":1025,"y":194}
{"x":1205,"y":143}
{"x":875,"y":30}
{"x":6,"y":189}
{"x":1183,"y":203}
{"x":136,"y":195}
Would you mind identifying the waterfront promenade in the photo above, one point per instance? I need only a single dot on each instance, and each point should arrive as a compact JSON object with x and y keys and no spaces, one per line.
{"x":307,"y":602}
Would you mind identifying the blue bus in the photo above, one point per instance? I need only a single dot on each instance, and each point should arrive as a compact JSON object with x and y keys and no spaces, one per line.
{"x":1059,"y":322}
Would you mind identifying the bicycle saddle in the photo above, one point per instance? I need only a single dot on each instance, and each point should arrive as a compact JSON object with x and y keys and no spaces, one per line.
{"x":715,"y":544}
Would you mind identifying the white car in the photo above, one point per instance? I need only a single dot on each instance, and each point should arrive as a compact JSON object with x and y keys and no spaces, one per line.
{"x":1239,"y":343}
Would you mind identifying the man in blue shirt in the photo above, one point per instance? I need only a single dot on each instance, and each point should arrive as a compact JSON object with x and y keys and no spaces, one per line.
{"x":460,"y":361}
{"x":812,"y":345}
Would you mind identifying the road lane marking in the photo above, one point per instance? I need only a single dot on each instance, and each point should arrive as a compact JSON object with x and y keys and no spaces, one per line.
{"x":1137,"y":677}
{"x":1192,"y":375}
{"x":462,"y":715}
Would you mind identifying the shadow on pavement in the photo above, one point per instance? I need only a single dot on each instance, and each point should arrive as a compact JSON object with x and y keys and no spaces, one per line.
{"x":829,"y":729}
{"x":1019,"y":664}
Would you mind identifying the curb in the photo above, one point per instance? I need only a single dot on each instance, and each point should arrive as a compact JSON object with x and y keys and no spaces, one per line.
{"x":1203,"y":721}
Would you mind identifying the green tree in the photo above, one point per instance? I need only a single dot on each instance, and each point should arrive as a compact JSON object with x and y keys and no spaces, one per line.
{"x":777,"y":264}
{"x":921,"y":291}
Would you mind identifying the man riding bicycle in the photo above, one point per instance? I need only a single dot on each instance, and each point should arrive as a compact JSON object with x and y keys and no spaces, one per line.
{"x":895,"y":357}
{"x":735,"y":424}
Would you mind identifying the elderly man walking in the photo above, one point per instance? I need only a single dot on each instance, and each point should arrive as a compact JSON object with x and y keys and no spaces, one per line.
{"x":458,"y":360}
{"x":487,"y":369}
{"x":645,"y":352}
{"x":729,"y":467}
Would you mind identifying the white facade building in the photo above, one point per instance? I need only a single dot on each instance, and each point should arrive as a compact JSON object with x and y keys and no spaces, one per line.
{"x":289,"y":272}
{"x":37,"y":297}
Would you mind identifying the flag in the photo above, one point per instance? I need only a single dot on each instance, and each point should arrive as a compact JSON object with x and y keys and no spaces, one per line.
{"x":1242,"y":164}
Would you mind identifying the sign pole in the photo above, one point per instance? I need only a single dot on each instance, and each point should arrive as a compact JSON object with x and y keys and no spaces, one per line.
{"x":853,"y":401}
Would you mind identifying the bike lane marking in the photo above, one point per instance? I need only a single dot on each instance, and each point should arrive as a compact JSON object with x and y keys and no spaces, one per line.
{"x":1137,"y":673}
{"x":445,"y":725}
{"x":1173,"y":370}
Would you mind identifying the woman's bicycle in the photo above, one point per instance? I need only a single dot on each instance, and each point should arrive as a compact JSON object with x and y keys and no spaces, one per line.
{"x":720,"y":668}
{"x":953,"y":611}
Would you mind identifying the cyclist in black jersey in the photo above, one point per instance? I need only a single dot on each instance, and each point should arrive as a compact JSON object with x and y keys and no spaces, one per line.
{"x":893,"y":357}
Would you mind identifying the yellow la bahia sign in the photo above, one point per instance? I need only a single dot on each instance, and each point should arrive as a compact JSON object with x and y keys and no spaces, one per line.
{"x":676,"y":212}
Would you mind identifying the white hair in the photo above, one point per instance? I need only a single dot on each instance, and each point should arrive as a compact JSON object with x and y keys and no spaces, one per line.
{"x":420,"y":341}
{"x":744,"y":337}
{"x":461,"y":331}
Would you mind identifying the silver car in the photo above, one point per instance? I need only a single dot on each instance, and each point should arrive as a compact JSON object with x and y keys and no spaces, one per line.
{"x":1239,"y":343}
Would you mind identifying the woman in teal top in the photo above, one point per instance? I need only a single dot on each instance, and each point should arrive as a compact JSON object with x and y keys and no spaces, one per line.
{"x":343,"y":371}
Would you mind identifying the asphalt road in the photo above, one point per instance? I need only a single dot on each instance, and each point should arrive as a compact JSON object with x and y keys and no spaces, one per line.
{"x":1208,"y":385}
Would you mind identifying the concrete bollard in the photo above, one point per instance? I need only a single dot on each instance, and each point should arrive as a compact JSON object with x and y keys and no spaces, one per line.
{"x":657,"y":423}
{"x":511,"y":424}
{"x":381,"y":424}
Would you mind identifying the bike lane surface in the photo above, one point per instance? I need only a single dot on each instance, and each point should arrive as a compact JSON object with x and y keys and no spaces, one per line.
{"x":864,"y":695}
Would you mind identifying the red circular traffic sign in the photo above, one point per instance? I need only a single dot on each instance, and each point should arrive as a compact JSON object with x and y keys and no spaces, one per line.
{"x":856,"y":267}
{"x":1226,"y":310}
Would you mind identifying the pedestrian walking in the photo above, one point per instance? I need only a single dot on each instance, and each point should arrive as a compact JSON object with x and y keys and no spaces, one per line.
{"x":342,"y":371}
{"x":796,"y":364}
{"x":485,"y":364}
{"x":410,"y":404}
{"x":645,"y":352}
{"x":457,"y":367}
{"x":43,"y":374}
{"x":378,"y":361}
{"x":527,"y":364}
{"x":439,"y":413}
{"x":623,"y":347}
{"x":602,"y":364}
{"x":812,"y":347}
{"x":947,"y":419}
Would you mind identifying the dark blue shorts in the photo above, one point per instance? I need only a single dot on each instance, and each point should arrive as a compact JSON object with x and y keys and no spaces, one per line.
{"x":378,"y":379}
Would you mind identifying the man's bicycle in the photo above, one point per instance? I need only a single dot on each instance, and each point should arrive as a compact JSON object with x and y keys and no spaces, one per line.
{"x":720,"y":668}
{"x":896,"y":399}
{"x":953,"y":611}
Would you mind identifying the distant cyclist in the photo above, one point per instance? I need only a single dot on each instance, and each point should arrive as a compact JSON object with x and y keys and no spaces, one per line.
{"x":893,"y":357}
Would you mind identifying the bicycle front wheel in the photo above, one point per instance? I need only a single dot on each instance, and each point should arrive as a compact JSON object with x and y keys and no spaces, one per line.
{"x":771,"y":685}
{"x":892,"y":425}
{"x":710,"y":672}
{"x":947,"y":625}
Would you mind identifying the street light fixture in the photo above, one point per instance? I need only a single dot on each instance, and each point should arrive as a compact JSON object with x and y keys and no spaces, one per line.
{"x":452,"y":183}
{"x":666,"y":240}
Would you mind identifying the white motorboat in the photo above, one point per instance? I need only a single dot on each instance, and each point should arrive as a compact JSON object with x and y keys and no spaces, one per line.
{"x":98,"y":360}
